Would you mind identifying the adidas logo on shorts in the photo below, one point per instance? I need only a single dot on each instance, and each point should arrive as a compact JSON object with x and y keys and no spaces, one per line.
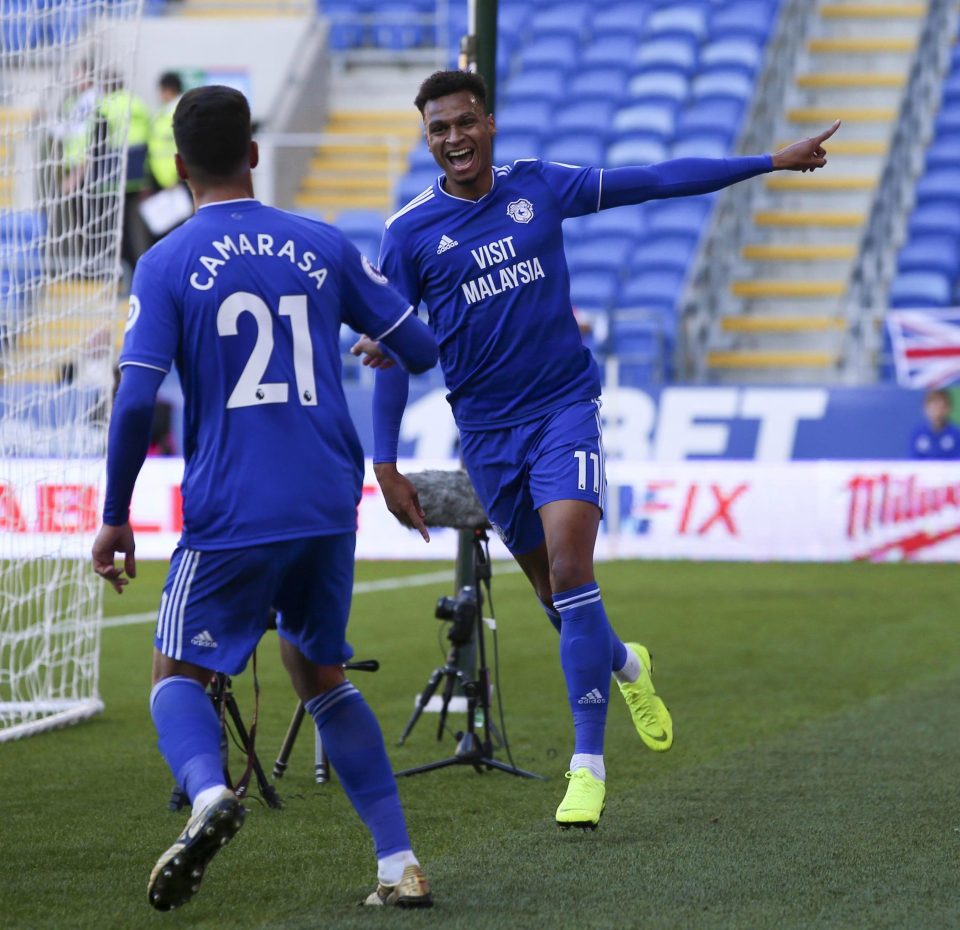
{"x":593,"y":697}
{"x":446,"y":243}
{"x":204,"y":639}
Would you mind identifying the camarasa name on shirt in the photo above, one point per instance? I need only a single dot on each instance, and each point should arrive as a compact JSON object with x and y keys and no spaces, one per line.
{"x":503,"y":278}
{"x":259,"y":244}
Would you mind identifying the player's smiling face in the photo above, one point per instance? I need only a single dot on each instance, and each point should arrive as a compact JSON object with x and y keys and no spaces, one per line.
{"x":459,"y":134}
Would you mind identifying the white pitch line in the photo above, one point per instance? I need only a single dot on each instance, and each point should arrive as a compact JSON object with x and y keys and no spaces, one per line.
{"x":360,"y":587}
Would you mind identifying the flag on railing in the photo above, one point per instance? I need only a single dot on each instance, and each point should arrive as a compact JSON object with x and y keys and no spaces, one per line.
{"x":926,"y":347}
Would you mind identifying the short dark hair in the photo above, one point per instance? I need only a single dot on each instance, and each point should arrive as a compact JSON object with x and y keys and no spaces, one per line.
{"x":444,"y":83}
{"x":170,"y":80}
{"x":940,"y":394}
{"x":211,"y":127}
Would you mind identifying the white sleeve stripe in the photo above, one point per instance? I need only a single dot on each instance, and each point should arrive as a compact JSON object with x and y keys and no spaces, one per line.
{"x":395,"y":325}
{"x":600,"y":191}
{"x":166,"y":371}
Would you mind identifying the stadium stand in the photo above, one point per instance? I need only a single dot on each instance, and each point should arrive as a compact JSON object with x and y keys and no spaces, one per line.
{"x":603,"y":83}
{"x":781,"y":313}
{"x":928,"y":264}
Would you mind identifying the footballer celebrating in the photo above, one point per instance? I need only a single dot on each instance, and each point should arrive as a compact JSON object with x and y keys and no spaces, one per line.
{"x":483,"y":248}
{"x":248,"y":301}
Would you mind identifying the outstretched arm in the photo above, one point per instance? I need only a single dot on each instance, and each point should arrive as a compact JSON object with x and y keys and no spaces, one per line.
{"x":682,"y":177}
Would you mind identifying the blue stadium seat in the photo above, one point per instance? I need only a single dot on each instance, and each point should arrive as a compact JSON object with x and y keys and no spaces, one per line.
{"x":678,"y":19}
{"x":594,"y":289}
{"x":653,"y":289}
{"x":677,"y":53}
{"x":935,"y":218}
{"x":636,"y":149}
{"x":628,"y":222}
{"x":412,"y":184}
{"x":651,"y":118}
{"x":524,"y":116}
{"x":21,"y":226}
{"x":939,"y":185}
{"x":747,"y":18}
{"x":550,"y":52}
{"x":710,"y":116}
{"x":742,"y":54}
{"x":951,"y":87}
{"x":664,"y":253}
{"x":684,"y":215}
{"x":920,"y":289}
{"x":600,"y":83}
{"x":931,"y":253}
{"x":361,"y":223}
{"x":508,"y":147}
{"x":598,"y":253}
{"x":512,"y":19}
{"x":944,"y":152}
{"x":591,"y":117}
{"x":421,"y":157}
{"x":397,"y":27}
{"x":548,"y":84}
{"x":575,"y":149}
{"x":722,"y":84}
{"x":565,"y":19}
{"x":948,"y":119}
{"x":612,"y":51}
{"x":635,"y":334}
{"x":624,"y":19}
{"x":659,"y":86}
{"x":702,"y":145}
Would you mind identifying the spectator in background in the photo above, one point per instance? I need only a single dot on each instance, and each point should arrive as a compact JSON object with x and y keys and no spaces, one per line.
{"x":160,"y":146}
{"x":167,"y":203}
{"x":121,"y":116}
{"x":937,"y":438}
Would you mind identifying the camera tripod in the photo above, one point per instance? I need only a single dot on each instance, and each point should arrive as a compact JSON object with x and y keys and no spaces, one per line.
{"x":321,"y":764}
{"x":224,"y":703}
{"x":466,"y":610}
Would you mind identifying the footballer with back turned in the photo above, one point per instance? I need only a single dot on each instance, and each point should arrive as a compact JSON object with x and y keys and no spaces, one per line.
{"x":248,"y":301}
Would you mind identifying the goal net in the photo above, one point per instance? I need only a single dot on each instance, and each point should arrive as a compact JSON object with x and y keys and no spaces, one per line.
{"x":65,"y":66}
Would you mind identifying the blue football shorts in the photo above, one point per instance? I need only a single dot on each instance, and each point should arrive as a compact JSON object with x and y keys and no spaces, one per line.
{"x":215,"y":604}
{"x":517,"y":469}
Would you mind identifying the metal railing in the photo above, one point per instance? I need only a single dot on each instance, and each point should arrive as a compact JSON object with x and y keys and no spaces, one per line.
{"x":710,"y":275}
{"x":871,"y":275}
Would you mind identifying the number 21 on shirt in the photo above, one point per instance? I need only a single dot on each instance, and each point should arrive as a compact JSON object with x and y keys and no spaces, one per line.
{"x":250,"y":390}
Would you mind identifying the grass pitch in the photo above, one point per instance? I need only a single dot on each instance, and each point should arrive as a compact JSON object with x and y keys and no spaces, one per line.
{"x":812,"y":782}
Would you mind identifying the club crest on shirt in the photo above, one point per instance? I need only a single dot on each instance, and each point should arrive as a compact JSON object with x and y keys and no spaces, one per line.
{"x":520,"y":211}
{"x":372,"y":273}
{"x":133,"y":314}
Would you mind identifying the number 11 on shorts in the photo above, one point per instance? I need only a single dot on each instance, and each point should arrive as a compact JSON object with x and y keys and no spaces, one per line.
{"x":581,"y":458}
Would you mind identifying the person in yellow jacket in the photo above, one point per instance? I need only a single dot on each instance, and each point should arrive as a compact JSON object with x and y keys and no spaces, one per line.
{"x":121,"y":116}
{"x":161,"y":148}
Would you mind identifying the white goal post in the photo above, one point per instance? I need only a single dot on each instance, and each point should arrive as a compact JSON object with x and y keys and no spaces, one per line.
{"x":63,"y":161}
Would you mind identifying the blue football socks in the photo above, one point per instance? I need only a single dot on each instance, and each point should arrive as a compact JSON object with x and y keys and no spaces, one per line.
{"x":586,"y":656}
{"x":189,"y":733}
{"x":354,"y":744}
{"x":619,"y":655}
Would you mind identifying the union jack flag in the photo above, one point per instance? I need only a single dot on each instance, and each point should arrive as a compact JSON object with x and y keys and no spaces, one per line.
{"x":926,"y":347}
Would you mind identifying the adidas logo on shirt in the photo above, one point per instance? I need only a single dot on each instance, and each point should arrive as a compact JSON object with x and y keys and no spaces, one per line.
{"x":204,"y":639}
{"x":593,"y":697}
{"x":446,"y":243}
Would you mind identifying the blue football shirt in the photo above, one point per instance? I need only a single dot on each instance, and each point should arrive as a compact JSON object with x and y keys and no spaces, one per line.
{"x":928,"y":443}
{"x":494,"y":278}
{"x":247,"y":301}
